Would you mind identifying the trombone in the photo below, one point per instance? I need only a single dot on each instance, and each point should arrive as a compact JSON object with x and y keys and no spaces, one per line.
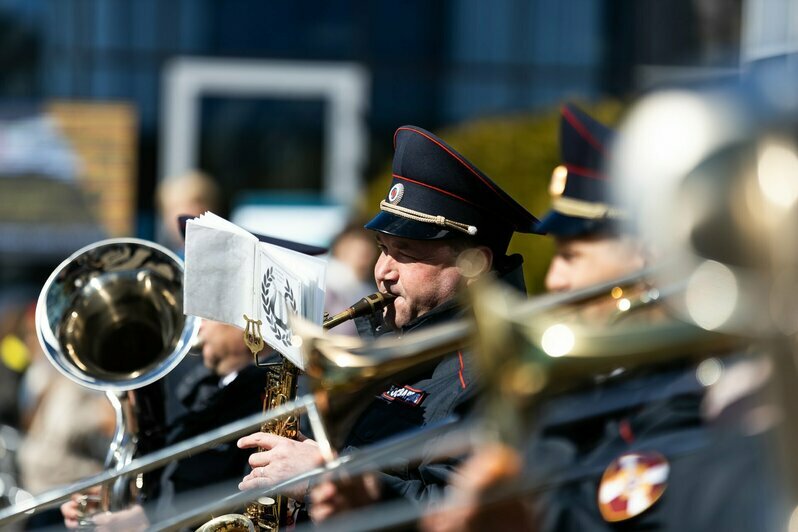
{"x":339,"y":367}
{"x":513,"y":380}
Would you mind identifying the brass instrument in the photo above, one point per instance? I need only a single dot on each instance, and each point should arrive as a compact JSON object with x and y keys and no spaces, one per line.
{"x":268,"y":513}
{"x":524,"y":355}
{"x":338,"y":368}
{"x":339,"y":371}
{"x":281,"y":382}
{"x":110,"y":318}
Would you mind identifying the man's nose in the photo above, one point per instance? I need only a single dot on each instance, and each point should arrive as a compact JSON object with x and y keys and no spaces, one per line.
{"x":557,"y":276}
{"x":385,"y":269}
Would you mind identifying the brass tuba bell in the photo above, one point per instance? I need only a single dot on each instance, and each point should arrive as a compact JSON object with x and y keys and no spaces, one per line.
{"x":110,"y":318}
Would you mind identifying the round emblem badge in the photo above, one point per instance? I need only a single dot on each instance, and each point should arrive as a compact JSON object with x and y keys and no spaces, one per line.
{"x":396,"y":193}
{"x":631,"y":484}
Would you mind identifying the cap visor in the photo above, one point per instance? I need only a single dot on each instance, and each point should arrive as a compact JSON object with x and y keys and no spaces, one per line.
{"x":557,"y":224}
{"x":391,"y":224}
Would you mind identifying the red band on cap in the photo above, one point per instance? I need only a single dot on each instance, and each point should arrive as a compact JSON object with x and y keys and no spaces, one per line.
{"x":455,"y":196}
{"x":586,"y":172}
{"x":582,"y":130}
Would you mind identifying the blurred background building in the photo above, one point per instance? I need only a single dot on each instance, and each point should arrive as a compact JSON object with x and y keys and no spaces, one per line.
{"x":94,"y":112}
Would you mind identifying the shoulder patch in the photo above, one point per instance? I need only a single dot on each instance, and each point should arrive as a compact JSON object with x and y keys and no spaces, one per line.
{"x":405,"y":394}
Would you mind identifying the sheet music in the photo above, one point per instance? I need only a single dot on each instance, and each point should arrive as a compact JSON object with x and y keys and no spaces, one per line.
{"x":229,"y":273}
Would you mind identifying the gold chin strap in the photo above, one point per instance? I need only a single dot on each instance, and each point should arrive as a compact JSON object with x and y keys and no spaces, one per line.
{"x":418,"y":216}
{"x":585,"y":209}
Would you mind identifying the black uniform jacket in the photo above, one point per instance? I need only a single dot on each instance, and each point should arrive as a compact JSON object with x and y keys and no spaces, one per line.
{"x":719,"y":478}
{"x":433,"y":394}
{"x":208,"y":406}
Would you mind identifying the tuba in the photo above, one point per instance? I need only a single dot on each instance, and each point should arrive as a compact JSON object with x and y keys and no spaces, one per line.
{"x":110,"y":318}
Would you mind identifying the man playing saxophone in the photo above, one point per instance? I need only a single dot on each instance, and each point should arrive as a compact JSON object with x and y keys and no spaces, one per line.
{"x":439,"y":205}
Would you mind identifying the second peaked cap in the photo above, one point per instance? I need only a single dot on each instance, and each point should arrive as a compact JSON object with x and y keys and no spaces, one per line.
{"x":582,"y":201}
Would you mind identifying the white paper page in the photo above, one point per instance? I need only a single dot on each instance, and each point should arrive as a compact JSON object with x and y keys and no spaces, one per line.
{"x":290,"y":282}
{"x":220,"y":264}
{"x":312,"y":271}
{"x":279,"y":295}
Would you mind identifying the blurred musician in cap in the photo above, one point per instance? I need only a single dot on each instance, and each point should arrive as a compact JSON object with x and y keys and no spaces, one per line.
{"x":438,"y":206}
{"x":592,"y":245}
{"x":633,"y":451}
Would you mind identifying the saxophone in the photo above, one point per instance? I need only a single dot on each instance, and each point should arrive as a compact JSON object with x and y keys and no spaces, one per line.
{"x":269,"y":514}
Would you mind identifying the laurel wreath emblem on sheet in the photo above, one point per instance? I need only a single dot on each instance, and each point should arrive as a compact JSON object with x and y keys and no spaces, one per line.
{"x":269,"y":297}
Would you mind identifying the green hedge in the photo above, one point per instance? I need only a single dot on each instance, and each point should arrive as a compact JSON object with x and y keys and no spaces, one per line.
{"x":519,"y":153}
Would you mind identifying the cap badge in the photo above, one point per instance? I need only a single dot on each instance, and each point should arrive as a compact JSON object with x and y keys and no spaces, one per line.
{"x":559,"y":177}
{"x":631,"y":484}
{"x":396,"y":193}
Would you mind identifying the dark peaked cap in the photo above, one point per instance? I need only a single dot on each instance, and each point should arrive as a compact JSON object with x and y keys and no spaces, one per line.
{"x":581,"y":196}
{"x":436,"y":193}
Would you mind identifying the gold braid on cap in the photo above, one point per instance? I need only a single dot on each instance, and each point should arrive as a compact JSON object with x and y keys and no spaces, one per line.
{"x":585,"y":209}
{"x":404,"y":212}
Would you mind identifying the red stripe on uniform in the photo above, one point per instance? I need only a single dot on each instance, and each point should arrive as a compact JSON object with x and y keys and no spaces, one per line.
{"x":460,"y":373}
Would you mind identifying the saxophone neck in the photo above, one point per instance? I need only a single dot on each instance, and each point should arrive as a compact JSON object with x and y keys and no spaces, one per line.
{"x":370,"y":304}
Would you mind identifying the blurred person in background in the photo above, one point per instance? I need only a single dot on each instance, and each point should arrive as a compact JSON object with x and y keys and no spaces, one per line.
{"x":15,"y":355}
{"x":191,"y":193}
{"x":188,"y":194}
{"x":350,"y":272}
{"x":67,"y":430}
{"x":15,"y":352}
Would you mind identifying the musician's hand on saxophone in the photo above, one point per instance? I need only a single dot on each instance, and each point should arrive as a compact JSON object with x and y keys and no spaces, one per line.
{"x":278,"y":459}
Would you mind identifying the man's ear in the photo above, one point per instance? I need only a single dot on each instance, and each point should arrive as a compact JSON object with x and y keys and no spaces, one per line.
{"x":475,"y":262}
